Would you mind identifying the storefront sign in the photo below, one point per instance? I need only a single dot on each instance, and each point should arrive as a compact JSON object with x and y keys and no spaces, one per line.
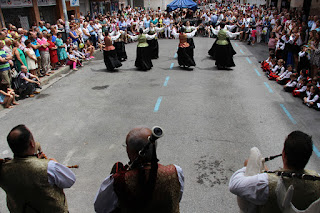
{"x":74,"y":3}
{"x":15,"y":3}
{"x":46,"y":2}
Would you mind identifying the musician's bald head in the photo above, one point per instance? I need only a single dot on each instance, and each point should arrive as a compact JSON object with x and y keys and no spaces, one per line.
{"x":136,"y":139}
{"x":20,"y":139}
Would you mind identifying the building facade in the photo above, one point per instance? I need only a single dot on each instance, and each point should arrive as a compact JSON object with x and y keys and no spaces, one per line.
{"x":27,"y":13}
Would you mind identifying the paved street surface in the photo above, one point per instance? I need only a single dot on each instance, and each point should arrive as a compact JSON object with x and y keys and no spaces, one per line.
{"x":211,"y":119}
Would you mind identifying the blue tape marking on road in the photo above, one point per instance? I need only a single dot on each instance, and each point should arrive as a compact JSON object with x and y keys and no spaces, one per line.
{"x":257,"y":72}
{"x":236,"y":44}
{"x":241,"y":51}
{"x":288,"y":114}
{"x":171,"y":66}
{"x":316,"y":150}
{"x":175,"y":55}
{"x":249,"y":60}
{"x":166,"y":81}
{"x":269,"y":88}
{"x":156,"y":107}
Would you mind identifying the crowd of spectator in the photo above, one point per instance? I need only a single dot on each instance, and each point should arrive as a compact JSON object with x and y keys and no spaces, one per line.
{"x":44,"y":48}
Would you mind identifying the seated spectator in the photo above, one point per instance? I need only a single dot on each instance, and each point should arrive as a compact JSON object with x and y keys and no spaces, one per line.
{"x":89,"y":49}
{"x":29,"y":83}
{"x":291,"y":85}
{"x":7,"y":96}
{"x":312,"y":99}
{"x":285,"y":76}
{"x":300,"y":90}
{"x":72,"y":60}
{"x":277,"y":70}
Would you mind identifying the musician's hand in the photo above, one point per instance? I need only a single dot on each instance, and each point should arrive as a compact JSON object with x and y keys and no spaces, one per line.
{"x":41,"y":155}
{"x":245,"y":163}
{"x":53,"y":159}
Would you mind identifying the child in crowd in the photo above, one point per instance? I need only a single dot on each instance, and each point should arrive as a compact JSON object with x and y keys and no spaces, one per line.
{"x":271,"y":66}
{"x":265,"y":65}
{"x":300,"y":90}
{"x":277,"y":70}
{"x":89,"y":49}
{"x":53,"y":52}
{"x":315,"y":81}
{"x":285,"y":76}
{"x":253,"y":35}
{"x":313,"y":97}
{"x":79,"y":54}
{"x":73,"y":61}
{"x":272,"y":42}
{"x":280,"y":48}
{"x":303,"y":74}
{"x":62,"y":54}
{"x":291,"y":85}
{"x":304,"y":59}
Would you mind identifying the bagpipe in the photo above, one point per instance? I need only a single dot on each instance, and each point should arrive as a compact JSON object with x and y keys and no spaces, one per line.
{"x":256,"y":165}
{"x":39,"y":154}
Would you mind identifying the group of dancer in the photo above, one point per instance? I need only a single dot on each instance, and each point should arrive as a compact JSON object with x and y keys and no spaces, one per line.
{"x":148,"y":48}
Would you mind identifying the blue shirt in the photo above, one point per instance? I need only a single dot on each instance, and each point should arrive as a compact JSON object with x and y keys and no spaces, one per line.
{"x":90,"y":28}
{"x":54,"y":38}
{"x":214,"y":18}
{"x":146,"y":24}
{"x":42,"y":28}
{"x":36,"y":51}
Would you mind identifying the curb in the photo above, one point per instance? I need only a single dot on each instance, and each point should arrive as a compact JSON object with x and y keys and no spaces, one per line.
{"x":58,"y":73}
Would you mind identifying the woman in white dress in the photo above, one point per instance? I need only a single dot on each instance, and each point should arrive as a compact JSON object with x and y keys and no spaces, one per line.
{"x":30,"y":58}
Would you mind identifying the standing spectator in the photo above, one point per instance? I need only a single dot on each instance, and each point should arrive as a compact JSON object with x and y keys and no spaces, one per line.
{"x":35,"y":45}
{"x":4,"y":65}
{"x":20,"y":58}
{"x":315,"y":51}
{"x":44,"y":53}
{"x":62,"y":54}
{"x":31,"y":58}
{"x":53,"y":52}
{"x":41,"y":26}
{"x":73,"y":35}
{"x":93,"y":34}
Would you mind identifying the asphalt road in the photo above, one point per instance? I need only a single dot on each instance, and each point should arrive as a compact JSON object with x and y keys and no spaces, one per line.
{"x":211,"y":119}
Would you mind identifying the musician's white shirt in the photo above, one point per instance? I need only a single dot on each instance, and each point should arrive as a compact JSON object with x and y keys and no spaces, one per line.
{"x":60,"y":175}
{"x":106,"y":199}
{"x":254,"y":189}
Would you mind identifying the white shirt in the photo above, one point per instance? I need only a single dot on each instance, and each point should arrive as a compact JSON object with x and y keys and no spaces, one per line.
{"x":106,"y":199}
{"x":60,"y":175}
{"x":254,"y":189}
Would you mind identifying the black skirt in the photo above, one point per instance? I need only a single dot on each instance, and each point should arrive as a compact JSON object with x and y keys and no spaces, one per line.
{"x":224,"y":56}
{"x":154,"y":48}
{"x":191,"y":43}
{"x":212,"y":52}
{"x":111,"y":60}
{"x":185,"y":57}
{"x":121,"y":50}
{"x":143,"y":60}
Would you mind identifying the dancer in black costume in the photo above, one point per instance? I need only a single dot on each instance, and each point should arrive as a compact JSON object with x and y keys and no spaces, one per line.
{"x":110,"y":56}
{"x":119,"y":44}
{"x":153,"y":43}
{"x":222,"y":50}
{"x":185,"y":52}
{"x":143,"y":59}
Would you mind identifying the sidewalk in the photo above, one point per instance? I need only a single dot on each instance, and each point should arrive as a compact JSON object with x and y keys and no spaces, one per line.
{"x":47,"y":80}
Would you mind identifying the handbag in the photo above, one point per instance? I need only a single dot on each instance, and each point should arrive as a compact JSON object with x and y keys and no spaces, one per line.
{"x":13,"y":73}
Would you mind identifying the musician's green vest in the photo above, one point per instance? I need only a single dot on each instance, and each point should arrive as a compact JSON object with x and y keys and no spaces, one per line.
{"x":142,"y":41}
{"x":222,"y":37}
{"x":25,"y":180}
{"x":305,"y":192}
